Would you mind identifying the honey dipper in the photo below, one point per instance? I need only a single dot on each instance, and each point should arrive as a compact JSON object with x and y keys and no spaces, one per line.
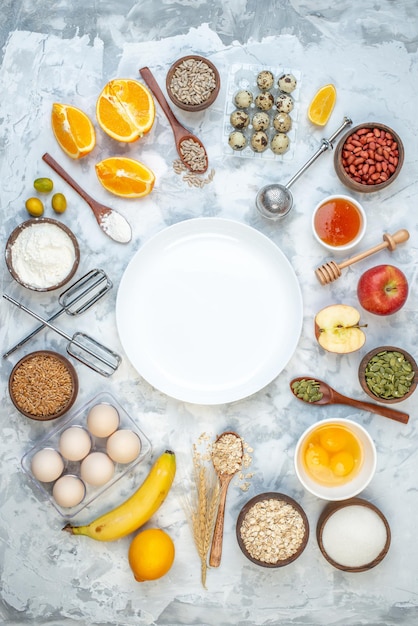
{"x":330,"y":271}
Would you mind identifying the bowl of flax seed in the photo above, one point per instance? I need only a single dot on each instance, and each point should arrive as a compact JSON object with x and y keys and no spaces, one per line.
{"x":272,"y":529}
{"x":193,"y":83}
{"x":43,"y":385}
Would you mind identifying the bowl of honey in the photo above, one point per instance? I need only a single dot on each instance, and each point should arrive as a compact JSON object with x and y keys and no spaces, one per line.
{"x":339,"y":223}
{"x":335,"y":459}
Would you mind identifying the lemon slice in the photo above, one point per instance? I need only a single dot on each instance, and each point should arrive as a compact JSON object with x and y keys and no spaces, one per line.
{"x":322,"y":104}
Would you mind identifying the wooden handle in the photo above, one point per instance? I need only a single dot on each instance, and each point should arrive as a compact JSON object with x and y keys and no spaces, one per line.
{"x":385,"y":411}
{"x":389,"y":241}
{"x":155,"y":88}
{"x":68,"y":179}
{"x":217,"y":539}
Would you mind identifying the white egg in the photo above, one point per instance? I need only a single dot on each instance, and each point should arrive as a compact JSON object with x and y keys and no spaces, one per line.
{"x":75,"y":443}
{"x":47,"y":465}
{"x":97,"y":469}
{"x":123,"y":446}
{"x":102,"y":420}
{"x":68,"y":491}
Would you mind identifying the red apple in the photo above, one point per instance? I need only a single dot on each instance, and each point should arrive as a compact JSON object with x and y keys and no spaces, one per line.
{"x":382,"y":289}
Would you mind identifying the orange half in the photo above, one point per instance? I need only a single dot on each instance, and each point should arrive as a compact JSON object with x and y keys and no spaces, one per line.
{"x":125,"y":177}
{"x":322,"y":105}
{"x":73,"y":130}
{"x":125,"y":109}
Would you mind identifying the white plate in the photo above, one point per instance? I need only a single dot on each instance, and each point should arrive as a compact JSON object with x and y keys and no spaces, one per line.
{"x":209,"y":311}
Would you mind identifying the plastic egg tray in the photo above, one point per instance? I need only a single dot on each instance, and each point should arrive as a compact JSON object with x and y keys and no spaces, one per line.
{"x":245,"y":77}
{"x":79,"y":418}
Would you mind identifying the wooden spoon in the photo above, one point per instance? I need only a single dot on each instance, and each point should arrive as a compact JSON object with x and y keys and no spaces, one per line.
{"x":181,"y":134}
{"x":112,"y":223}
{"x":330,"y":396}
{"x":224,"y":480}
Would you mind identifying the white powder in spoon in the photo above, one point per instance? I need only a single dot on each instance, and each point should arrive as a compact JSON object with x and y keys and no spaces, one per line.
{"x":354,"y":536}
{"x":42,"y":255}
{"x":116,"y":226}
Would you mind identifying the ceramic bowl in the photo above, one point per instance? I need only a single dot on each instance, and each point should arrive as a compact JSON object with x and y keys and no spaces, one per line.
{"x":344,"y":157}
{"x":354,"y":535}
{"x":43,"y":385}
{"x":296,"y":528}
{"x":370,"y":380}
{"x":344,"y":200}
{"x":192,"y":65}
{"x":9,"y":253}
{"x":352,"y":485}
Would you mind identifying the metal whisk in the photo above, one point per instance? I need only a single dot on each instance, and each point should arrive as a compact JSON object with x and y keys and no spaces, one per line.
{"x":80,"y":346}
{"x":76,"y":299}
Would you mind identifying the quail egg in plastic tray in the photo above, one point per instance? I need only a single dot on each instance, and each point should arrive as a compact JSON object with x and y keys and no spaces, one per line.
{"x":244,"y":78}
{"x":88,"y":453}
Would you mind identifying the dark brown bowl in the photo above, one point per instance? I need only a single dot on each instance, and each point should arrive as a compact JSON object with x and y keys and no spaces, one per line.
{"x":362,"y":374}
{"x":347,"y":178}
{"x":200,"y":104}
{"x":34,"y":375}
{"x":14,"y":235}
{"x":280,"y":497}
{"x":332,"y":508}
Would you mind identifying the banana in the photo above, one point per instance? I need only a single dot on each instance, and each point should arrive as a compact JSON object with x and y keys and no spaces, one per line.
{"x":137,"y":509}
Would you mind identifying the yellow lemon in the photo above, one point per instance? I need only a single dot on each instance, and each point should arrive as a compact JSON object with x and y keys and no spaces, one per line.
{"x":322,"y":105}
{"x":151,"y":554}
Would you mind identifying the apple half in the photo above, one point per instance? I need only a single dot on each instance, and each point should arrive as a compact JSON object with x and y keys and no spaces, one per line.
{"x":337,"y":329}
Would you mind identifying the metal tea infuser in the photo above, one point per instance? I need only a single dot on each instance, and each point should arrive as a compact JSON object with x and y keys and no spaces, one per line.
{"x":76,"y":299}
{"x":80,"y":346}
{"x":275,"y":201}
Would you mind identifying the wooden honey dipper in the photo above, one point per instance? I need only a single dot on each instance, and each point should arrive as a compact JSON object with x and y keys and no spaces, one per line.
{"x":330,"y":271}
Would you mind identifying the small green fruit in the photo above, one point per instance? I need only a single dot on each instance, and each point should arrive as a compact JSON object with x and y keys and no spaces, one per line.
{"x":43,"y":185}
{"x":34,"y":207}
{"x":59,"y":202}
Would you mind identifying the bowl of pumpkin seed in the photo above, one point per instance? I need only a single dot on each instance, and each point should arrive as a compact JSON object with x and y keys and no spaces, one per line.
{"x":388,"y":374}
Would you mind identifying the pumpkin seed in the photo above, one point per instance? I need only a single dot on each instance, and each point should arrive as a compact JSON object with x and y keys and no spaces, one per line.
{"x":307,"y":390}
{"x":389,"y":374}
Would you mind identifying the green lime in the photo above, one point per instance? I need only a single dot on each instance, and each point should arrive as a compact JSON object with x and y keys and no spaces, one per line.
{"x":34,"y":207}
{"x":59,"y":202}
{"x":44,"y":185}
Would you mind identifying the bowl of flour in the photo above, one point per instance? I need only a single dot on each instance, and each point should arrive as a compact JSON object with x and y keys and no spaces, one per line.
{"x":42,"y":254}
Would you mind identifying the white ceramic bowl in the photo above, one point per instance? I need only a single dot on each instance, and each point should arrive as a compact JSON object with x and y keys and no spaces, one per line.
{"x":363,"y":224}
{"x":360,"y":479}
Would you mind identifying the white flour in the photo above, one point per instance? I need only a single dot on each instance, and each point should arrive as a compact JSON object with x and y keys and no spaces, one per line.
{"x":42,"y":255}
{"x":115,"y":225}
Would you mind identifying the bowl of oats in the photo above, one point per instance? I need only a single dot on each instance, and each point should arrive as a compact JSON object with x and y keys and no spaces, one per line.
{"x":43,"y":385}
{"x":272,"y":530}
{"x":193,"y":83}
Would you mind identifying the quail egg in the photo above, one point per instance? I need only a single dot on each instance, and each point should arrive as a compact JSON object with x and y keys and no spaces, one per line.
{"x":287,"y":83}
{"x":264,"y":101}
{"x":260,"y":121}
{"x":284,"y":103}
{"x":239,"y":119}
{"x":243,"y":99}
{"x":282,"y":122}
{"x":237,"y":140}
{"x":259,"y":141}
{"x":279,"y":143}
{"x":265,"y":80}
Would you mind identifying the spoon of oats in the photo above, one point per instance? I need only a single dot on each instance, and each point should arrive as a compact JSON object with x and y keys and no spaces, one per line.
{"x":227,"y":455}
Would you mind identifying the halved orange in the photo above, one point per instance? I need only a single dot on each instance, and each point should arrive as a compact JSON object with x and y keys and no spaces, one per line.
{"x":125,"y":177}
{"x":73,"y":130}
{"x":322,"y":104}
{"x":125,"y":109}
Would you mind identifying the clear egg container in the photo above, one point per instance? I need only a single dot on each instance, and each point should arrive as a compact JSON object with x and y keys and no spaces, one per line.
{"x":245,"y":77}
{"x":79,"y":418}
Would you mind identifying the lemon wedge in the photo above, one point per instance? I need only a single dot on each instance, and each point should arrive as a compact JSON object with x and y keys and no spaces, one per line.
{"x":322,"y":104}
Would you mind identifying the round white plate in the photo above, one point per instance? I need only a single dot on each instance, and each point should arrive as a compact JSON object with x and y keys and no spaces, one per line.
{"x":209,"y":311}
